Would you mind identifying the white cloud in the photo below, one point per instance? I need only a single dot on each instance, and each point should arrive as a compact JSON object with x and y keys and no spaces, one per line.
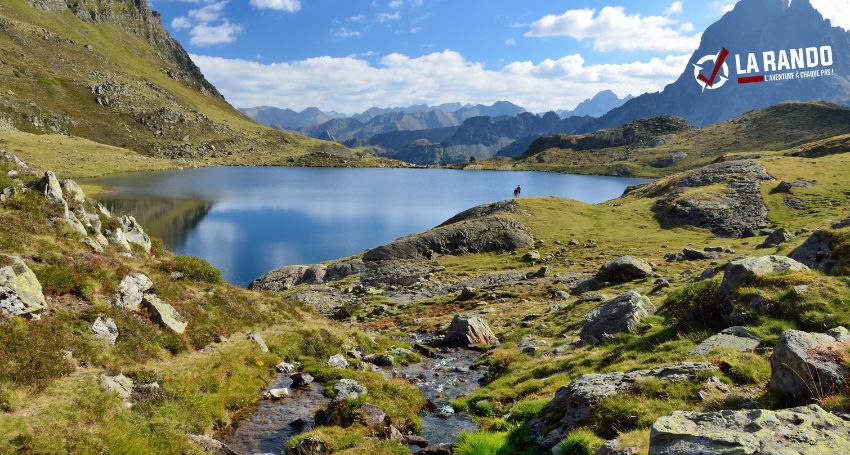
{"x":612,"y":29}
{"x":207,"y":25}
{"x":356,"y":18}
{"x":435,"y":78}
{"x":837,"y":11}
{"x":395,"y":4}
{"x":290,"y":6}
{"x":510,"y":42}
{"x":384,"y":17}
{"x":674,"y":8}
{"x":345,"y":33}
{"x":723,"y":6}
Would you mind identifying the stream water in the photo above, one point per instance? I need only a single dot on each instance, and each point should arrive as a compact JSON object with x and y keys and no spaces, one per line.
{"x":441,"y":380}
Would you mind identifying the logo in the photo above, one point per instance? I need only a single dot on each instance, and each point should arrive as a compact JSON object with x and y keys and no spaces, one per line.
{"x":718,"y":64}
{"x":768,"y":66}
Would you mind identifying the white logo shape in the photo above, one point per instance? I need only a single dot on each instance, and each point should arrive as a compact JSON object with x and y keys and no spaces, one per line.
{"x":722,"y":76}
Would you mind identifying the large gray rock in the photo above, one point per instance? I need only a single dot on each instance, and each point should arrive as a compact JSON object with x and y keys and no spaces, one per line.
{"x":817,"y":252}
{"x":804,"y":365}
{"x":20,"y":290}
{"x":119,"y":384}
{"x":796,"y":431}
{"x":777,"y":237}
{"x":626,"y":268}
{"x":51,"y":188}
{"x":210,"y":445}
{"x":338,"y":361}
{"x":104,"y":328}
{"x":620,"y":314}
{"x":743,"y":271}
{"x":119,"y":239}
{"x":469,"y":331}
{"x":258,"y":339}
{"x":480,"y":211}
{"x":134,"y":233}
{"x":737,"y":210}
{"x":288,"y":277}
{"x":737,"y":338}
{"x":348,"y":389}
{"x":131,"y":291}
{"x":73,"y":192}
{"x":165,"y":314}
{"x":483,"y":235}
{"x":572,"y":404}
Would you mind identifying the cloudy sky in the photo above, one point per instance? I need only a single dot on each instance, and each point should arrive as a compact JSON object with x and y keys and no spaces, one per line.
{"x":349,"y":55}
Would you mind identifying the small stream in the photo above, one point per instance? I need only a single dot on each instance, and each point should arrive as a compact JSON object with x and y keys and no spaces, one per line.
{"x":441,"y":380}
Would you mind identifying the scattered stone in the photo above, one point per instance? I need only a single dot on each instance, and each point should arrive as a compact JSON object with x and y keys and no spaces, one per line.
{"x":572,"y":404}
{"x":285,"y":368}
{"x":621,"y":314}
{"x":372,"y":416}
{"x":288,"y":277}
{"x":176,"y":276}
{"x":842,"y":224}
{"x":531,"y":256}
{"x":131,"y":291}
{"x":104,"y":328}
{"x":742,"y":271}
{"x":573,"y":242}
{"x":777,"y":238}
{"x":20,"y":290}
{"x":713,"y":387}
{"x":626,"y":268}
{"x":793,"y":203}
{"x":468,"y":293}
{"x":543,"y":272}
{"x":348,"y":389}
{"x":484,"y":235}
{"x":309,"y":446}
{"x":697,"y":255}
{"x":257,"y":338}
{"x":210,"y":445}
{"x":612,"y":447}
{"x":120,"y":384}
{"x":276,"y":394}
{"x":592,"y":297}
{"x":740,"y":339}
{"x":134,"y":233}
{"x":338,"y":361}
{"x":95,"y":246}
{"x":165,"y":314}
{"x":804,"y":430}
{"x":301,"y":380}
{"x":808,"y":365}
{"x":469,"y":331}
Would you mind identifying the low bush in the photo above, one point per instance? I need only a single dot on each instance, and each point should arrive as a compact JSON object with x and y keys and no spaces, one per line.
{"x":196,"y":269}
{"x":580,"y":441}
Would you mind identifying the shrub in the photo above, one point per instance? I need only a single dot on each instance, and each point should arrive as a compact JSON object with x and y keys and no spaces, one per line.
{"x":483,"y":408}
{"x":61,"y":279}
{"x":196,"y":269}
{"x":580,"y":442}
{"x":696,"y":305}
{"x":480,"y":443}
{"x":526,"y":410}
{"x":32,"y":353}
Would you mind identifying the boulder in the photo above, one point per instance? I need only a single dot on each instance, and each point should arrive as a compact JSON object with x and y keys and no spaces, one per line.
{"x":308,"y":446}
{"x":817,"y":252}
{"x":94,"y":245}
{"x":484,"y":235}
{"x":210,"y":445}
{"x":481,"y":211}
{"x":134,"y":233}
{"x":777,"y":237}
{"x":338,"y":361}
{"x":20,"y":290}
{"x":804,"y":430}
{"x":51,"y":188}
{"x":572,"y":404}
{"x":301,"y":380}
{"x":372,"y":416}
{"x":737,"y":338}
{"x":531,"y":256}
{"x":119,"y":239}
{"x":626,"y":268}
{"x":257,"y":338}
{"x":74,"y":223}
{"x":743,"y":271}
{"x":621,"y":314}
{"x":807,"y":365}
{"x":735,"y":211}
{"x":131,"y":291}
{"x":691,"y":254}
{"x":119,"y":384}
{"x":165,"y":314}
{"x":285,"y":368}
{"x":276,"y":393}
{"x":467,"y":331}
{"x":104,"y":328}
{"x":288,"y":277}
{"x":612,"y":447}
{"x":73,"y":192}
{"x":340,"y":270}
{"x":348,"y":389}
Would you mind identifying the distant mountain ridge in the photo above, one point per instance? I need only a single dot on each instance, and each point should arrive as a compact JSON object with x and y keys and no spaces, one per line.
{"x":601,"y":103}
{"x":752,"y":26}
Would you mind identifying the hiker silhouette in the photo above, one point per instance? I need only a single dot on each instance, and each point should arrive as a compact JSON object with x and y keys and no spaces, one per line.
{"x":517,"y":191}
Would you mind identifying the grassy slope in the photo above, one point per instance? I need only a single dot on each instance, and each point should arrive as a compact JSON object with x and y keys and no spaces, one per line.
{"x":47,"y":73}
{"x":764,"y":131}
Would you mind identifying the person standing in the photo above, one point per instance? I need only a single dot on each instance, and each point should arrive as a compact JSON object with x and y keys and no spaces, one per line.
{"x":517,"y":191}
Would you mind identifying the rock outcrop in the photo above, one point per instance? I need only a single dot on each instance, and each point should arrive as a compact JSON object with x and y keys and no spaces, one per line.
{"x":573,"y":403}
{"x":808,"y":365}
{"x":104,"y":328}
{"x":621,"y":314}
{"x":288,"y":277}
{"x":743,"y":271}
{"x":348,"y":389}
{"x":20,"y":290}
{"x":131,"y":291}
{"x":736,"y":338}
{"x":484,"y":235}
{"x":467,"y":331}
{"x":480,"y":211}
{"x":134,"y":233}
{"x":804,"y":430}
{"x":165,"y":314}
{"x":818,"y":252}
{"x":693,"y":198}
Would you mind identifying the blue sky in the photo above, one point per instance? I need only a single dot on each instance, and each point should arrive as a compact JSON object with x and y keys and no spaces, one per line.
{"x":348,"y":55}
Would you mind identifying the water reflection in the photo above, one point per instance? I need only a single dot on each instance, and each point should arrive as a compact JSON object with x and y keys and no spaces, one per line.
{"x":248,"y":220}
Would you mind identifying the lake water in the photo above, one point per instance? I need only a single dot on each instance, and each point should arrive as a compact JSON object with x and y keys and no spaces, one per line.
{"x":249,"y":220}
